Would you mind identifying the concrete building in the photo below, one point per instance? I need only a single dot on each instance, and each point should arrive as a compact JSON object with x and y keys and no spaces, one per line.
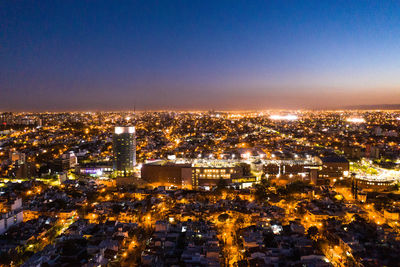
{"x":69,"y":159}
{"x":165,"y":173}
{"x":95,"y":169}
{"x":124,"y":147}
{"x":189,"y":175}
{"x":372,"y":151}
{"x":10,"y":213}
{"x":25,"y":170}
{"x":208,"y":176}
{"x":17,"y":156}
{"x":334,"y":167}
{"x":373,"y":183}
{"x":353,"y":152}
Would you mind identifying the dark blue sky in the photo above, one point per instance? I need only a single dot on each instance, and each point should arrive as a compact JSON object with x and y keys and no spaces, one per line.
{"x":112,"y":55}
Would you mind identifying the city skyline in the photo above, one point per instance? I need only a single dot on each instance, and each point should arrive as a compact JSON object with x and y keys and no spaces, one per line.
{"x":310,"y":188}
{"x":200,"y":133}
{"x":198,"y":55}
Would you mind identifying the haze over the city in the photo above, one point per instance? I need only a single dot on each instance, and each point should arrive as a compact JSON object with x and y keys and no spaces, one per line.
{"x":232,"y":55}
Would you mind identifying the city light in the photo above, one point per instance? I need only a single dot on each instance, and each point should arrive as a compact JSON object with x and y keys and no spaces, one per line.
{"x":355,"y":120}
{"x":284,"y":117}
{"x":208,"y":183}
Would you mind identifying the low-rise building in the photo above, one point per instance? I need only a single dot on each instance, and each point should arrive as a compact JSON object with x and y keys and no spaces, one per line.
{"x":11,"y":213}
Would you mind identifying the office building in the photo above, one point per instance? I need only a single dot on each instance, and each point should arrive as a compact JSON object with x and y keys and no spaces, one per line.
{"x":124,"y":147}
{"x":165,"y":173}
{"x":334,"y":167}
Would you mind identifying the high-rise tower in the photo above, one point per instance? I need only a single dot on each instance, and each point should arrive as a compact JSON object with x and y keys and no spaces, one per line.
{"x":124,"y":147}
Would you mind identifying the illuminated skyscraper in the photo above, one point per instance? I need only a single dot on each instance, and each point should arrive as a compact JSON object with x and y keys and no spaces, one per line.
{"x":124,"y":147}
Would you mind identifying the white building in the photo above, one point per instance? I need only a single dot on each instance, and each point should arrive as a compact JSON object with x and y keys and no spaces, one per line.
{"x":12,"y":215}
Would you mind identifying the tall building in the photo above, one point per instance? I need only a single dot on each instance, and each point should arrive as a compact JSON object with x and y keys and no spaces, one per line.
{"x":124,"y":147}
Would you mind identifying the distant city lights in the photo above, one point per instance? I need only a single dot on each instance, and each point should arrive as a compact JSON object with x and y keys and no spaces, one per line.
{"x":356,"y":120}
{"x":284,"y":118}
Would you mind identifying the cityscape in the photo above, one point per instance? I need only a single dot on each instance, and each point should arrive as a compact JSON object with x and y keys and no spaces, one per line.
{"x":313,"y":188}
{"x":200,"y":133}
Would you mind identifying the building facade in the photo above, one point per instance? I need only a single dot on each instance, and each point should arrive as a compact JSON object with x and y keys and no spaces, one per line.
{"x":124,"y":148}
{"x":10,"y":213}
{"x":209,"y":176}
{"x":168,"y":174}
{"x":334,"y":167}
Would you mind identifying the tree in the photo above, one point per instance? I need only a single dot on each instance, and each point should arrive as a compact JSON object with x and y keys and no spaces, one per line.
{"x":221,"y":186}
{"x":265,"y":183}
{"x":223,"y":217}
{"x":296,"y":187}
{"x":312,"y":232}
{"x":269,"y":240}
{"x":116,"y":208}
{"x":358,"y":219}
{"x":246,"y":169}
{"x":260,"y":194}
{"x":397,"y":187}
{"x":240,"y":221}
{"x":282,"y":191}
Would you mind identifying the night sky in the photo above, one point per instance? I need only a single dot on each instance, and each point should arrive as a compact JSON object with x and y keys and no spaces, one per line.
{"x":224,"y":55}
